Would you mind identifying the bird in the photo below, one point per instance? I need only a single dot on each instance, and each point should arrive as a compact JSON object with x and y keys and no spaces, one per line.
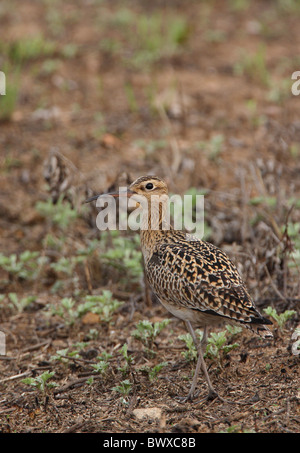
{"x":193,"y":279}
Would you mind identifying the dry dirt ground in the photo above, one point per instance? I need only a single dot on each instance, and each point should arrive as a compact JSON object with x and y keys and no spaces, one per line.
{"x":198,"y":93}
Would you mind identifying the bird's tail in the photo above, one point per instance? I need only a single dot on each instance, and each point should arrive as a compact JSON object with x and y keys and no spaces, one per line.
{"x":257,"y":325}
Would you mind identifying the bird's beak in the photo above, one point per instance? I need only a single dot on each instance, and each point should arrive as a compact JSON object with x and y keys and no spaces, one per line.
{"x":128,"y":193}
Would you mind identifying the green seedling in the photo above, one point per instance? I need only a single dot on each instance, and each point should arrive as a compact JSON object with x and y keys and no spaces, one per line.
{"x":61,"y":214}
{"x":128,"y":359}
{"x":281,"y":318}
{"x":124,"y":255}
{"x":146,"y":332}
{"x":20,"y":304}
{"x":154,"y":371}
{"x":103,"y":304}
{"x":25,"y":266}
{"x":217,"y":344}
{"x":41,"y":382}
{"x":66,"y":265}
{"x":124,"y":388}
{"x":90,"y":249}
{"x":191,"y":353}
{"x":63,"y":355}
{"x":65,"y":310}
{"x":102,"y":364}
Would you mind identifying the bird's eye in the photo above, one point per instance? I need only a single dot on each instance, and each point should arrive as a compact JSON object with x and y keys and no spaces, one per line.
{"x":149,"y":186}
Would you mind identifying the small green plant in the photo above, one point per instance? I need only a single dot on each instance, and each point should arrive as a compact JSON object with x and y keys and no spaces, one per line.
{"x":66,"y":265}
{"x":41,"y":382}
{"x":153,"y":372}
{"x":20,"y":303}
{"x":63,"y":355}
{"x":25,"y":266}
{"x":128,"y":359}
{"x":123,"y":254}
{"x":146,"y":332}
{"x":217,"y":344}
{"x":65,"y":309}
{"x":124,"y":388}
{"x":191,"y":353}
{"x":61,"y":214}
{"x":281,"y":318}
{"x":103,"y":363}
{"x":103,"y":304}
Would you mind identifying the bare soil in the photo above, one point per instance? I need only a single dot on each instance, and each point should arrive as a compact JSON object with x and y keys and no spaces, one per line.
{"x":107,"y":117}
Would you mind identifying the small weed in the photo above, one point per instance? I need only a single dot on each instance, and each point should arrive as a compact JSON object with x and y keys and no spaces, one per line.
{"x":153,"y":372}
{"x":128,"y":359}
{"x":61,"y":214}
{"x":124,"y":255}
{"x":102,"y":364}
{"x":20,"y":304}
{"x":66,"y":265}
{"x":191,"y":353}
{"x":217,"y":344}
{"x":280,"y":319}
{"x":103,"y":304}
{"x":25,"y":266}
{"x":124,"y":388}
{"x":63,"y":355}
{"x":41,"y":382}
{"x":65,"y":310}
{"x":146,"y":332}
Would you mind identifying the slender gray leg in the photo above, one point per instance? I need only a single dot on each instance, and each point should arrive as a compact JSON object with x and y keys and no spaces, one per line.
{"x":200,"y":364}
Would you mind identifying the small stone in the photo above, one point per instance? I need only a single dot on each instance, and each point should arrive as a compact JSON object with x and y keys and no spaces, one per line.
{"x":148,"y":412}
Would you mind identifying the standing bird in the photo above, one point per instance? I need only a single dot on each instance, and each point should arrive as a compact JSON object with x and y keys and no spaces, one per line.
{"x":193,"y":279}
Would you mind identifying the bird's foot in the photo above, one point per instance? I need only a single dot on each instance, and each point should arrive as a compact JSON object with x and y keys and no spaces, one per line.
{"x":212,"y":394}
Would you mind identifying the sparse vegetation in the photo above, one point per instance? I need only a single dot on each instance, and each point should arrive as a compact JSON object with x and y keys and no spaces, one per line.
{"x":200,"y":94}
{"x":41,"y":382}
{"x":146,"y":332}
{"x":281,"y":318}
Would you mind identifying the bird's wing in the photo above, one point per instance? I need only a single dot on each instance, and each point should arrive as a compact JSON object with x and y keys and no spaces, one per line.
{"x":199,"y":276}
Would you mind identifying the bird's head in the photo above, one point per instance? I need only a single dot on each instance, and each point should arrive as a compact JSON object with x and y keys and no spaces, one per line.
{"x":143,"y":186}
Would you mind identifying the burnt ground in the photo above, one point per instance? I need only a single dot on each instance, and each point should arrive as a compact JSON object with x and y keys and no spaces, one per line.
{"x":199,"y":95}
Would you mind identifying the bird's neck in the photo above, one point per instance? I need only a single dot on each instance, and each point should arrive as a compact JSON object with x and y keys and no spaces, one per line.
{"x":155,"y":224}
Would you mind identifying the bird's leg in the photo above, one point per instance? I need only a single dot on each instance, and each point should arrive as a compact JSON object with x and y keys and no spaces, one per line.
{"x":200,"y":364}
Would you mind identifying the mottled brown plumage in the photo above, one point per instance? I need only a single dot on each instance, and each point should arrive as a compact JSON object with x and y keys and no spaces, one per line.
{"x":192,"y":278}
